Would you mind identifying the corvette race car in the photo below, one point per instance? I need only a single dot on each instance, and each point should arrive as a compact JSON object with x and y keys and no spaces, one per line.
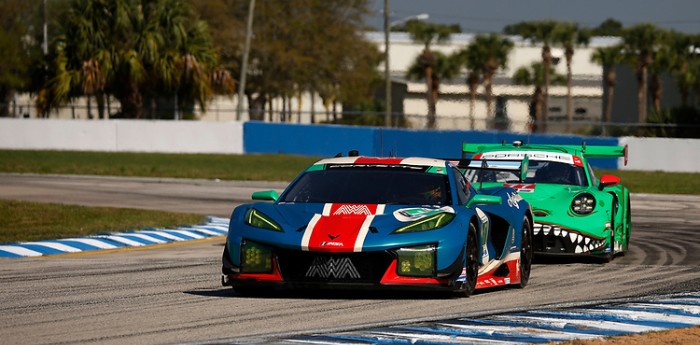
{"x":367,"y":222}
{"x":574,"y":211}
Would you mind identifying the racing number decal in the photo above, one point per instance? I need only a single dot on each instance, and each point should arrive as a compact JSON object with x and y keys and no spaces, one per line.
{"x":340,"y":228}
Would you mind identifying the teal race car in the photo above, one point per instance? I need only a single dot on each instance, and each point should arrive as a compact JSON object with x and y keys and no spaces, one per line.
{"x":361,"y":222}
{"x":575,"y":212}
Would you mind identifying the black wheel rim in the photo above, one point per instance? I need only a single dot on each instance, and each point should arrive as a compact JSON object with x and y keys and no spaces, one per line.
{"x":472,"y":264}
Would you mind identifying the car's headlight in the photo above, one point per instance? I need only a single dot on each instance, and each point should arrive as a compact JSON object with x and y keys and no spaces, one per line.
{"x":258,"y":219}
{"x":255,"y":258}
{"x":428,"y":223}
{"x":416,"y":261}
{"x":583,"y":203}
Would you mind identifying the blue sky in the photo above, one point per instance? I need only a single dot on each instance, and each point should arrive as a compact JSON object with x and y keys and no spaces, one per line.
{"x":493,"y":15}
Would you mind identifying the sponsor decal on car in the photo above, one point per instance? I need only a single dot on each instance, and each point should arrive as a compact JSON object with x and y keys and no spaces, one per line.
{"x":536,"y":155}
{"x":327,"y":267}
{"x":353,"y":209}
{"x":415,"y":213}
{"x":514,"y":199}
{"x":345,"y":225}
{"x":521,"y":187}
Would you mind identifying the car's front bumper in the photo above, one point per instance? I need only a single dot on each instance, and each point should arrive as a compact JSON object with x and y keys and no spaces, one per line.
{"x":363,"y":270}
{"x":558,"y":239}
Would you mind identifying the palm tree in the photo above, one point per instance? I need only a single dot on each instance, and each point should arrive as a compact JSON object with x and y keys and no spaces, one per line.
{"x":569,"y":36}
{"x":535,"y":75}
{"x":640,"y":43}
{"x":131,"y":49}
{"x":473,"y":79}
{"x":484,"y":56}
{"x":539,"y":32}
{"x":608,"y":57}
{"x":427,"y":33}
{"x":685,"y":67}
{"x":442,"y":67}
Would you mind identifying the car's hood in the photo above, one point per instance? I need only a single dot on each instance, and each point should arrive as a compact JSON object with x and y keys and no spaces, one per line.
{"x":326,"y":226}
{"x":545,"y":193}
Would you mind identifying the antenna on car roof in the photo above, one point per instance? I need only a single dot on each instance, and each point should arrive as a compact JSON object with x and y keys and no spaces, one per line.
{"x":339,"y":154}
{"x":583,"y":145}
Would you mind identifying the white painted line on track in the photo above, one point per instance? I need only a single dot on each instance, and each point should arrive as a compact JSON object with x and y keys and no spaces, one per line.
{"x":215,"y":227}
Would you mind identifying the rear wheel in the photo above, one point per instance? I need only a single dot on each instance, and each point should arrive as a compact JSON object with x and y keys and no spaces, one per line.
{"x":526,"y":253}
{"x":471,"y":265}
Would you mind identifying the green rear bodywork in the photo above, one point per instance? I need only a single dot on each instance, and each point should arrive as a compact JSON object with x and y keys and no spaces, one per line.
{"x":604,"y":232}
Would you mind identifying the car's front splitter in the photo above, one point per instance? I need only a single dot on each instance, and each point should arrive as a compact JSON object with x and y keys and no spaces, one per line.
{"x":389,"y":280}
{"x":500,"y":272}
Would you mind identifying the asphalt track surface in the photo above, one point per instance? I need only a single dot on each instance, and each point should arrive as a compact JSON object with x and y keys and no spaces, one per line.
{"x":172,"y":293}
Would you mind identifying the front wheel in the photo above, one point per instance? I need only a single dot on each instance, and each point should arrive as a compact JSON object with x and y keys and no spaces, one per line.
{"x":471,"y":265}
{"x":526,"y":253}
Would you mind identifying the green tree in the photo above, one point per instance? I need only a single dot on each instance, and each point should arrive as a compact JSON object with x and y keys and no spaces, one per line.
{"x":608,"y":58}
{"x":541,"y":32}
{"x":471,"y":62}
{"x":133,"y":50}
{"x":485,"y":55}
{"x":15,"y":20}
{"x":685,"y":65}
{"x":609,"y":27}
{"x":426,"y":34}
{"x":534,"y":75}
{"x":441,"y":67}
{"x":570,"y":36}
{"x":310,"y":46}
{"x":639,"y":44}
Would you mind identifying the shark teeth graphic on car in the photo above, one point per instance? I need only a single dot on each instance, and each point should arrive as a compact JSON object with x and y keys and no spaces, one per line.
{"x":582,"y":243}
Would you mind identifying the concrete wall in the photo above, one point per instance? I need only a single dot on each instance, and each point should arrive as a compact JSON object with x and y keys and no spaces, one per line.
{"x":652,"y":154}
{"x":662,"y":154}
{"x":122,"y":135}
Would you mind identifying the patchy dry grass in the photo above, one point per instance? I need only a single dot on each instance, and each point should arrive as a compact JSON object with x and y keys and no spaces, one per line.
{"x":31,"y":221}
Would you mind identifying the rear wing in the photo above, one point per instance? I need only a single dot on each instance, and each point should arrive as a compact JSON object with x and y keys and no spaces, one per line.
{"x":591,"y":151}
{"x":517,"y":167}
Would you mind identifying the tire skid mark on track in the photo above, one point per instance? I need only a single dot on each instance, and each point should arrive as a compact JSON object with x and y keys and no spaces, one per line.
{"x":216,"y":226}
{"x":530,"y":327}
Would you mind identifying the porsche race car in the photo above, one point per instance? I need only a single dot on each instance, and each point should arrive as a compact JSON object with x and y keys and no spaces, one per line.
{"x":366,"y":222}
{"x":575,"y":213}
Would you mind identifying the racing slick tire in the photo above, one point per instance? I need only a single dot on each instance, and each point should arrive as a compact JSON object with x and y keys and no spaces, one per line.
{"x":607,"y":257}
{"x":526,"y":253}
{"x":471,"y":264}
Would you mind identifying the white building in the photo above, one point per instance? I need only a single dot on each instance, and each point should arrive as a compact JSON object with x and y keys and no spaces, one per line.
{"x":453,"y":104}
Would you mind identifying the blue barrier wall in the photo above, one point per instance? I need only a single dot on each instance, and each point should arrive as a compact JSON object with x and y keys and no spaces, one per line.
{"x":328,"y":140}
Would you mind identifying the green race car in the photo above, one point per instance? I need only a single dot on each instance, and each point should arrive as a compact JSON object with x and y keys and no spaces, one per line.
{"x":575,"y":213}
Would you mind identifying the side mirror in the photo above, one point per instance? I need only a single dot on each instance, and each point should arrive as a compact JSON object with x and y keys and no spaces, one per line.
{"x":481,"y":199}
{"x":524,"y":167}
{"x":266,"y":195}
{"x":608,"y":181}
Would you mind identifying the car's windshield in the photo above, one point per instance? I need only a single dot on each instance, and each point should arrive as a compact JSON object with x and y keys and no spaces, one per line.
{"x":370,"y":185}
{"x":538,"y":172}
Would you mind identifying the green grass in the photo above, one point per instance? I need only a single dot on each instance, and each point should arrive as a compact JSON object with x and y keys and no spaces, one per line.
{"x":31,"y":221}
{"x":205,"y":166}
{"x":262,"y":167}
{"x":657,"y":182}
{"x":24,"y":221}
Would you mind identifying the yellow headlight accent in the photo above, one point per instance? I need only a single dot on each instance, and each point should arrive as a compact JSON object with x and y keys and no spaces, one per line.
{"x":259,"y":220}
{"x":428,"y":223}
